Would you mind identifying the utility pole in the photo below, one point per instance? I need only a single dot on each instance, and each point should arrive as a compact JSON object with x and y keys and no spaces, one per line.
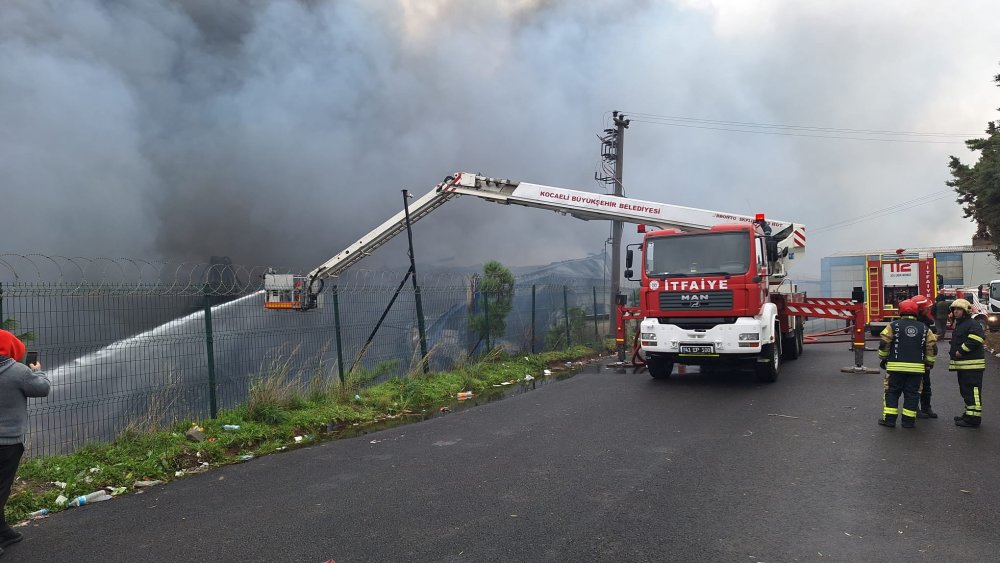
{"x":612,"y":151}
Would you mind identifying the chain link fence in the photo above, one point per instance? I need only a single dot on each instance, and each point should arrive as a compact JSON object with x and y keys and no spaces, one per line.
{"x":129,"y":343}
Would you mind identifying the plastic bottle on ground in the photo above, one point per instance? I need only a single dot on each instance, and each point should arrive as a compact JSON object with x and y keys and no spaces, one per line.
{"x":230,"y":426}
{"x":38,"y":513}
{"x":96,"y":496}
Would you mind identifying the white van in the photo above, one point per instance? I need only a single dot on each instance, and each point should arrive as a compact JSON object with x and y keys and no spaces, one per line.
{"x":988,"y":315}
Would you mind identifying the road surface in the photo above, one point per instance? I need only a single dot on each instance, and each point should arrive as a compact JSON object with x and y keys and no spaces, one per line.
{"x":598,"y":467}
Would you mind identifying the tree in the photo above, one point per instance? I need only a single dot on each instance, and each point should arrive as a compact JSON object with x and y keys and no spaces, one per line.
{"x":978,"y":186}
{"x":496,"y":295}
{"x":10,"y":325}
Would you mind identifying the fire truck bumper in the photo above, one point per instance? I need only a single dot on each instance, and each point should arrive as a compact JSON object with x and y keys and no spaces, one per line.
{"x":741,"y":340}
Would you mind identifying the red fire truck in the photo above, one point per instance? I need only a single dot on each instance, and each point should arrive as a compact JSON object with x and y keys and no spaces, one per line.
{"x":891,"y":278}
{"x":714,"y":286}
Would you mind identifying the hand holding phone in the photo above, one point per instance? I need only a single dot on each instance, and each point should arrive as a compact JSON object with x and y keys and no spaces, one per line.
{"x":31,"y":358}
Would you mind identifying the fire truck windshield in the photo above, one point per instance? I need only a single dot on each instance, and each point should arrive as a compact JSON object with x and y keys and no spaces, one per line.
{"x":698,"y":254}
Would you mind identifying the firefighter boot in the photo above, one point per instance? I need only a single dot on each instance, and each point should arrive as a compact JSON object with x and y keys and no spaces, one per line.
{"x":889,"y":421}
{"x":965,"y":422}
{"x":925,"y":410}
{"x":909,"y":422}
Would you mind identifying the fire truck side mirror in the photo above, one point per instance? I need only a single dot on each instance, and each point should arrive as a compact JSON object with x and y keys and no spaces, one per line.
{"x":628,"y":261}
{"x":772,"y":250}
{"x":940,"y":281}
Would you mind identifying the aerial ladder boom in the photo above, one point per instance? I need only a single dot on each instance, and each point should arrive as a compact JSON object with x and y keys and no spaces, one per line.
{"x":286,"y":291}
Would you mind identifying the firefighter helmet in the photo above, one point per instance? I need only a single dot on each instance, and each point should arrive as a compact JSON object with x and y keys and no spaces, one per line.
{"x":961,"y":304}
{"x":921,"y":301}
{"x":907,"y":307}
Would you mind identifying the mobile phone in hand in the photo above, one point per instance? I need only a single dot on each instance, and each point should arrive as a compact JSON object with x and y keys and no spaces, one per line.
{"x":31,"y":358}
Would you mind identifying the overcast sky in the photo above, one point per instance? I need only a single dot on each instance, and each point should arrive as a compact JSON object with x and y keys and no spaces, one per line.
{"x":277,"y":132}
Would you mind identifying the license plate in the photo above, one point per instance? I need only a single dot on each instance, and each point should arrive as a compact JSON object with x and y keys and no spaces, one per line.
{"x":699,"y":349}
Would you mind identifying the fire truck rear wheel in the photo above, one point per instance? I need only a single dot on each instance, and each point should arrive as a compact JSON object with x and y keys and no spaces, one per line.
{"x":767,"y":371}
{"x":792,"y":345}
{"x":659,"y":367}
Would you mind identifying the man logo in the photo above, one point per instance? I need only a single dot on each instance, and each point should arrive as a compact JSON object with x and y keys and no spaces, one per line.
{"x":911,"y":331}
{"x":695,"y":304}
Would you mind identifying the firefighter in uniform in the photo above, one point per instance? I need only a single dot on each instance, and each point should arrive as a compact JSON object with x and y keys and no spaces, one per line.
{"x":924,"y":315}
{"x":908,"y":348}
{"x":968,"y":360}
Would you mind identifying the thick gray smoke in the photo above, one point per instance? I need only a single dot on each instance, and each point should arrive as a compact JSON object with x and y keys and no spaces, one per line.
{"x":279,"y":131}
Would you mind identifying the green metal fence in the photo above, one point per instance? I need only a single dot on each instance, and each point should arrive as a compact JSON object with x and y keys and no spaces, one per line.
{"x":128,"y":342}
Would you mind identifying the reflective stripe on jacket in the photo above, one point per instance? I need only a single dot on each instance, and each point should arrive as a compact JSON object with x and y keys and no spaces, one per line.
{"x":967,"y":340}
{"x":907,"y":346}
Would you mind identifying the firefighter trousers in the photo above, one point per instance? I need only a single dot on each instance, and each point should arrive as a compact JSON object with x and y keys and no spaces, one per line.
{"x":925,"y":391}
{"x":901,"y":383}
{"x":970,"y":385}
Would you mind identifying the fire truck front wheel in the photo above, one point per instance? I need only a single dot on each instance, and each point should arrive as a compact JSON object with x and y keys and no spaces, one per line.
{"x":660,"y":367}
{"x":769,"y":362}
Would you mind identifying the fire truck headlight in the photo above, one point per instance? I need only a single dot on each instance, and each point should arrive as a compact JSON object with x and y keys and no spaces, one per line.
{"x":749,"y":339}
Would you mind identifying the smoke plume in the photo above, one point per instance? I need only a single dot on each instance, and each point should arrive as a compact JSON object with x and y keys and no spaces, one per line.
{"x":279,"y":131}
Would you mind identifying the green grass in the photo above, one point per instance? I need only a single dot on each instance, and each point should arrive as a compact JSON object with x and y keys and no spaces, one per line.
{"x":278,"y":409}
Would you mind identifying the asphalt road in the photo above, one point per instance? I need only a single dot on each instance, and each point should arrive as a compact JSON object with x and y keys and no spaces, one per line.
{"x":598,"y":467}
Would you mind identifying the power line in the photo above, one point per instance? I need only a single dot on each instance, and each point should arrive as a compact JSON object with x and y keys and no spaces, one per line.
{"x":800,"y":130}
{"x":891,"y":210}
{"x":922,"y":199}
{"x":787,"y":134}
{"x":803,"y":127}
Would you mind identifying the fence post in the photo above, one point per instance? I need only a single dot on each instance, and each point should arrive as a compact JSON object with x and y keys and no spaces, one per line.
{"x":532,"y":318}
{"x":336,"y":324}
{"x":210,"y":348}
{"x":486,"y":314}
{"x":566,"y":315}
{"x":597,"y":336}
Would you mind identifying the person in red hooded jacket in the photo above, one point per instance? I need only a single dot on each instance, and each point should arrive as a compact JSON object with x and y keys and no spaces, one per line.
{"x":17,"y":383}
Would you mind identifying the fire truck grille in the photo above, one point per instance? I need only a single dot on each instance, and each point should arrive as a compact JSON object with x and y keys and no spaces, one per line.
{"x":696,"y":301}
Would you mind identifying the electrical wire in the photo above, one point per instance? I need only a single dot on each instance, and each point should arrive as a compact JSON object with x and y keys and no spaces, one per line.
{"x":789,"y":134}
{"x":891,"y":210}
{"x":839,"y":133}
{"x":653,"y":116}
